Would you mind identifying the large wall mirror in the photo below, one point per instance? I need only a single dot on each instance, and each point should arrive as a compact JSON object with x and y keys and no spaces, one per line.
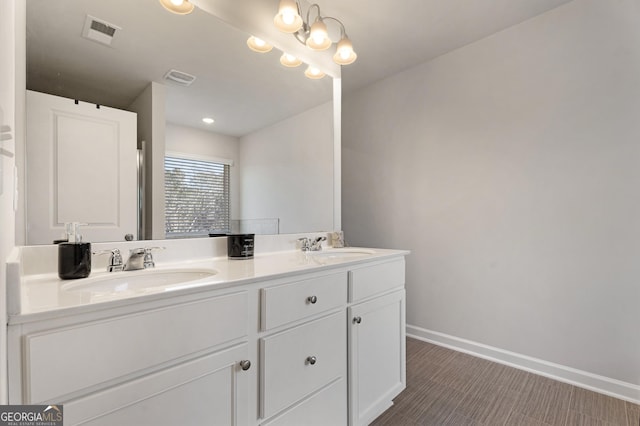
{"x":274,"y":125}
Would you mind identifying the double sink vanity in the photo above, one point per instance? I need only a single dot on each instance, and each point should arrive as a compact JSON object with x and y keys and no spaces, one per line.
{"x":285,"y":338}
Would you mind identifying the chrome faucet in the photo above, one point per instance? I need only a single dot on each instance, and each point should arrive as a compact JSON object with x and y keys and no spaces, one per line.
{"x":140,"y":258}
{"x":311,"y":244}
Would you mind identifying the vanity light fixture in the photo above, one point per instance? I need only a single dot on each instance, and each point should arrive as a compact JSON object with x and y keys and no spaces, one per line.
{"x":290,"y":61}
{"x":313,"y":34}
{"x":180,"y":7}
{"x":258,"y":45}
{"x":208,"y":120}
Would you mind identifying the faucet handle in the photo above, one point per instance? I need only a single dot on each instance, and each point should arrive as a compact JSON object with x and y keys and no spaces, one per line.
{"x":305,"y":243}
{"x":148,"y":256}
{"x":115,"y":259}
{"x":316,"y":243}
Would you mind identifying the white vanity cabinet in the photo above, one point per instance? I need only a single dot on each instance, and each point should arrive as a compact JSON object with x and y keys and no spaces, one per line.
{"x":377,"y":360}
{"x":321,"y":346}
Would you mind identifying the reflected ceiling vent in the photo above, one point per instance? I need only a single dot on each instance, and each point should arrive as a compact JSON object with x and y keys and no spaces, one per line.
{"x":98,"y":30}
{"x":179,"y":77}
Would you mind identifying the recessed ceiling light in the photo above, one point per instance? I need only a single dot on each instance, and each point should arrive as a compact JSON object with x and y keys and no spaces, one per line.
{"x":208,"y":120}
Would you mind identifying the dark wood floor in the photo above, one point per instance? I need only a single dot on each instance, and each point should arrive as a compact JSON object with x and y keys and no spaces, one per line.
{"x":446,"y":387}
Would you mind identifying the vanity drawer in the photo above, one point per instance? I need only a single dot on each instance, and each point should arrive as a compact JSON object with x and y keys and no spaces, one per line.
{"x":291,"y":302}
{"x":370,"y":280}
{"x":63,"y":361}
{"x":326,"y":407}
{"x":288,"y":373}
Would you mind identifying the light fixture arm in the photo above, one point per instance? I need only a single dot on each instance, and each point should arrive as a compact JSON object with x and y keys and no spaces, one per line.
{"x":343,"y":31}
{"x":303,"y":33}
{"x":314,"y":35}
{"x":318,"y":15}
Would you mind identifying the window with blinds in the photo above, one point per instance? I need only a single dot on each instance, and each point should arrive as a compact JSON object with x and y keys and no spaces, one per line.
{"x":197,"y":197}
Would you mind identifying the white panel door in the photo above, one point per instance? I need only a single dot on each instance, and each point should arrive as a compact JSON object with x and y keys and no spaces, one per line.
{"x":209,"y":391}
{"x":81,"y":167}
{"x":377,"y":364}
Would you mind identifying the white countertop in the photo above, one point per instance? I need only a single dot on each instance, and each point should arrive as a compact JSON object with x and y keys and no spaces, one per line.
{"x":45,"y":295}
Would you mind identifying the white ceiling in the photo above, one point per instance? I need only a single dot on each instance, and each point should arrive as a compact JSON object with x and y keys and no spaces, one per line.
{"x":392,"y":36}
{"x":243,"y":90}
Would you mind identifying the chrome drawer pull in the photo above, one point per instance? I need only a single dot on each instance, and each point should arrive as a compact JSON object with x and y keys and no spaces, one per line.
{"x":312,"y":299}
{"x":311,"y":360}
{"x":357,"y":320}
{"x":245,"y":364}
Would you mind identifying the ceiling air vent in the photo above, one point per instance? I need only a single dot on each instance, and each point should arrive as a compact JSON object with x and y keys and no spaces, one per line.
{"x":98,"y":30}
{"x":179,"y":77}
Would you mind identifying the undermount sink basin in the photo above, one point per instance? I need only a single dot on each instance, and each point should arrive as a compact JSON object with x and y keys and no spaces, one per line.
{"x":336,"y":255}
{"x":137,"y":280}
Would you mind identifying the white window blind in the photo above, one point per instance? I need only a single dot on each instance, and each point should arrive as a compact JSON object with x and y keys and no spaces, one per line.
{"x":197,"y":197}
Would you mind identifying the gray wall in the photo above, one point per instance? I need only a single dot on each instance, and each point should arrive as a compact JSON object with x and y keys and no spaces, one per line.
{"x":511,"y":169}
{"x":286,"y":172}
{"x":150,"y":107}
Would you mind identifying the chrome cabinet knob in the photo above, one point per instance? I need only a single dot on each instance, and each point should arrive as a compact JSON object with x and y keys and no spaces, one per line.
{"x":357,"y":320}
{"x":311,"y":360}
{"x":245,"y":364}
{"x":312,"y":299}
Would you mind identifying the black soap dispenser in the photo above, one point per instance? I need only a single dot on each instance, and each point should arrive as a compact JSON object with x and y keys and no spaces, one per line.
{"x":74,"y":256}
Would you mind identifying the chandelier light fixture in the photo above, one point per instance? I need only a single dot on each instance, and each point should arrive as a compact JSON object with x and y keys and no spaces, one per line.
{"x":313,"y":34}
{"x":181,"y":7}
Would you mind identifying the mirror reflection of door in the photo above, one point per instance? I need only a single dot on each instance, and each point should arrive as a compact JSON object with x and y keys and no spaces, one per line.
{"x":82,"y":167}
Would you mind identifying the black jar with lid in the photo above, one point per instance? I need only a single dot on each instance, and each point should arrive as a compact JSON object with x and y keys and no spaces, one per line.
{"x":240,"y":246}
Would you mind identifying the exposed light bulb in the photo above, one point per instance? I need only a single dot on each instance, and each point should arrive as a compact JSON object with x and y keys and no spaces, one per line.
{"x":208,"y":120}
{"x":177,"y":2}
{"x":344,"y":53}
{"x":259,"y":42}
{"x":287,"y":19}
{"x":318,"y":36}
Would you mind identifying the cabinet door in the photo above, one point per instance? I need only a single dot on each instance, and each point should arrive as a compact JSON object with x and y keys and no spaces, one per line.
{"x":376,"y":356}
{"x":82,"y":167}
{"x":211,"y":390}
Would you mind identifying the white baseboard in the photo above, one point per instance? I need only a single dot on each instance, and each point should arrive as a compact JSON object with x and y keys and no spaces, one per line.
{"x":601,"y":384}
